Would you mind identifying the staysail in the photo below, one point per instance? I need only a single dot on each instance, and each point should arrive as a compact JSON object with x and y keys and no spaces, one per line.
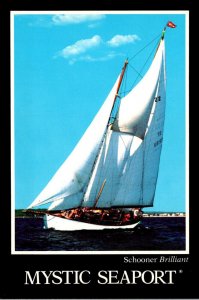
{"x":119,"y":162}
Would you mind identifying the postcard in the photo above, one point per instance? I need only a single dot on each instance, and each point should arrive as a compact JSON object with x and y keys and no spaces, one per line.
{"x":99,"y":129}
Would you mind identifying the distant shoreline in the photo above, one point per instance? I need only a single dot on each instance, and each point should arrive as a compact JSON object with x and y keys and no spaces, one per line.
{"x":151,"y":215}
{"x":167,"y":216}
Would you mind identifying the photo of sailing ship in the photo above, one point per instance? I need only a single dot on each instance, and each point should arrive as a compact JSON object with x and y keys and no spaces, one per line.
{"x":106,"y":185}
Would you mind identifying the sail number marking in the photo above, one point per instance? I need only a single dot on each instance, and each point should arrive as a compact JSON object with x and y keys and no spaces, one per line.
{"x":158,"y":142}
{"x":158,"y":98}
{"x":159,"y":133}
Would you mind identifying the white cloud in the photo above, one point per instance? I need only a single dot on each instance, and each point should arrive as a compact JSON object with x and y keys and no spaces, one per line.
{"x":65,"y":19}
{"x":80,"y":46}
{"x":118,"y":40}
{"x":81,"y":49}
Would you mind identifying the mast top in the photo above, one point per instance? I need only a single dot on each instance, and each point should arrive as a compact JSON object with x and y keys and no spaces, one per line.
{"x":163,"y":33}
{"x":168,"y":24}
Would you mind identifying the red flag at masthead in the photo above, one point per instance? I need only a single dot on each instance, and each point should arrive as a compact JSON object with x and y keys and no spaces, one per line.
{"x":171,"y":24}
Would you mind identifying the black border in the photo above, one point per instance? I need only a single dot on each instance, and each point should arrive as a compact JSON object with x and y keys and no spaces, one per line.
{"x":13,"y":266}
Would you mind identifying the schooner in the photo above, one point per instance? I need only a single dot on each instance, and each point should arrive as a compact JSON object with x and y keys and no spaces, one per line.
{"x":112,"y":172}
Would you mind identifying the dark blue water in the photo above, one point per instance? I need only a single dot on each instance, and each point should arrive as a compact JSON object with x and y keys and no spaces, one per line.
{"x":165,"y":233}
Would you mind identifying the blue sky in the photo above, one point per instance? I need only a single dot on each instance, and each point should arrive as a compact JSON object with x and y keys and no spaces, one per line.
{"x":64,"y":67}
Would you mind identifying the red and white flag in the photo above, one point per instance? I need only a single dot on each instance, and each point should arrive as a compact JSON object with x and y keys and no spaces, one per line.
{"x":171,"y":24}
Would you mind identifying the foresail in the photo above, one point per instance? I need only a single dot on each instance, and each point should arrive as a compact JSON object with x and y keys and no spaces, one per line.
{"x":73,"y":175}
{"x":135,"y":108}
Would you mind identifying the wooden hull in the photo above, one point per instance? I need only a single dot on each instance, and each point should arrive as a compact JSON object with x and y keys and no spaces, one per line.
{"x":64,"y":224}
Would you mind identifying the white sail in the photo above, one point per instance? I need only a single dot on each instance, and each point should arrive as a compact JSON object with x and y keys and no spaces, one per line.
{"x":138,"y":182}
{"x":128,"y":161}
{"x":135,"y":108}
{"x":68,"y":202}
{"x":109,"y":167}
{"x":72,"y":176}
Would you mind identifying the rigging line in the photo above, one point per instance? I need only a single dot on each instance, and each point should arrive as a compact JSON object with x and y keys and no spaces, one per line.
{"x":142,"y":67}
{"x":122,"y":139}
{"x":158,"y":36}
{"x":139,"y":74}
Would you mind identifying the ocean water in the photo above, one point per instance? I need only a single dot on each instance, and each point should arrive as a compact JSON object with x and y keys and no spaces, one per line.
{"x":156,"y":233}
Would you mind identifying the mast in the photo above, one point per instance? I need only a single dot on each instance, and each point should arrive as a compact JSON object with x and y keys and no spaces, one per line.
{"x":118,"y":88}
{"x":104,"y":137}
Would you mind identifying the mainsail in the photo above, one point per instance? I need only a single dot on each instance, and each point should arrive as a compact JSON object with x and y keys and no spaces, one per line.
{"x":116,"y":165}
